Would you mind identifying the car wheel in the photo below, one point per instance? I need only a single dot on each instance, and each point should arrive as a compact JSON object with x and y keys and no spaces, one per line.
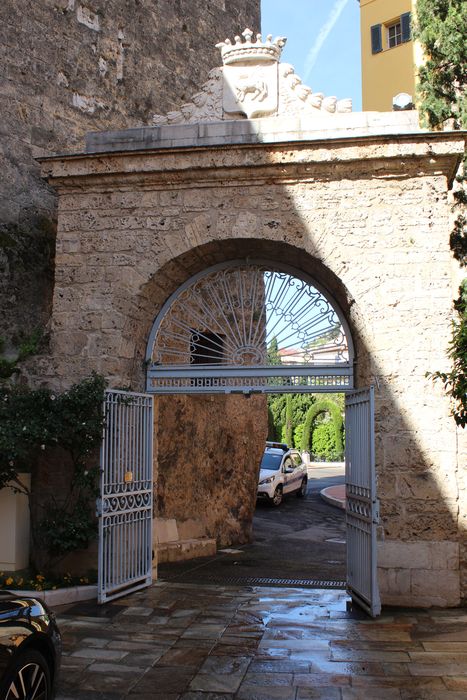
{"x":276,"y":500}
{"x":29,"y":677}
{"x":302,"y":490}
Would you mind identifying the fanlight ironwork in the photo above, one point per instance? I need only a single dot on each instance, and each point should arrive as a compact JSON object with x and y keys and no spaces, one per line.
{"x":231,"y":322}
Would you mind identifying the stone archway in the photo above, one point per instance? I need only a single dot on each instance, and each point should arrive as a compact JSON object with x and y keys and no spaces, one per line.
{"x":193,"y":424}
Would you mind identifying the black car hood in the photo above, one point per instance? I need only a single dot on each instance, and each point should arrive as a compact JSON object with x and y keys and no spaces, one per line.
{"x":16,"y":605}
{"x":26,"y":622}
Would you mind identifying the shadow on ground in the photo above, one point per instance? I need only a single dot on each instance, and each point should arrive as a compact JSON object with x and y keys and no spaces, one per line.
{"x":302,"y":542}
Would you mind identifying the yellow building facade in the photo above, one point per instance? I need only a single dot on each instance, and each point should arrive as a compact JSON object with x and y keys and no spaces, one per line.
{"x":388,"y":52}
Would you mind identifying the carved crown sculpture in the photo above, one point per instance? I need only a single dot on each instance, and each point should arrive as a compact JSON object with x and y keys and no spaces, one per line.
{"x":251,"y":51}
{"x":253,"y":83}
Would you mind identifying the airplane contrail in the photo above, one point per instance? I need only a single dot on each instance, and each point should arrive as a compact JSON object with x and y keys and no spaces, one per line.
{"x":324,"y":32}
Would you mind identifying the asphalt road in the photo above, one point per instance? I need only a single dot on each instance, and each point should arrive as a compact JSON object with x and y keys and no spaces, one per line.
{"x":302,"y":540}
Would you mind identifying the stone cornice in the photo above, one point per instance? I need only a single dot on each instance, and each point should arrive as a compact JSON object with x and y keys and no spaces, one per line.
{"x":399,"y":156}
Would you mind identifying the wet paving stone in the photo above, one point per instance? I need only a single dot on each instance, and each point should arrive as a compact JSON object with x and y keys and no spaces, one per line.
{"x":216,"y":682}
{"x":236,"y":665}
{"x":194,"y":642}
{"x":153,"y":696}
{"x":89,"y":695}
{"x":327,"y":693}
{"x":253,"y":692}
{"x":377,"y":693}
{"x":432,"y":695}
{"x":279,"y":666}
{"x":200,"y":695}
{"x":268,"y":679}
{"x":169,"y":679}
{"x":183,"y":656}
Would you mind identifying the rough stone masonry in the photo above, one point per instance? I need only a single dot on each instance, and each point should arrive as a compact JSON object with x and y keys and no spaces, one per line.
{"x":72,"y":66}
{"x":360,"y":203}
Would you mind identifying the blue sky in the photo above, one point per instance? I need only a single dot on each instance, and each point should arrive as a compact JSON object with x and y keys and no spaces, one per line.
{"x":323,"y":43}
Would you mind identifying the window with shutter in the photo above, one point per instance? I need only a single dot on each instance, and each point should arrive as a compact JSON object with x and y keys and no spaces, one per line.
{"x":376,"y":39}
{"x":406,"y":28}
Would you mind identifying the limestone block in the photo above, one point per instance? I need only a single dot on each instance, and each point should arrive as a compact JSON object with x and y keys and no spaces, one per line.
{"x":394,"y":582}
{"x":418,"y":555}
{"x":404,"y":555}
{"x":445,"y":555}
{"x":437,"y":584}
{"x":186,"y":549}
{"x":165,"y":530}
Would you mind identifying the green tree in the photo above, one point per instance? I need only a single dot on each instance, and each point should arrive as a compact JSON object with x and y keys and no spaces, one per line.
{"x":273,"y":352}
{"x":298,"y":434}
{"x":289,"y":420}
{"x":440,"y":28}
{"x":323,"y":406}
{"x":323,"y":444}
{"x":300,"y":403}
{"x":455,"y":381}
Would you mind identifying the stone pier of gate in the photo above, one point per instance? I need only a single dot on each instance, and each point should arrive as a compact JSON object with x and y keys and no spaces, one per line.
{"x":259,"y":166}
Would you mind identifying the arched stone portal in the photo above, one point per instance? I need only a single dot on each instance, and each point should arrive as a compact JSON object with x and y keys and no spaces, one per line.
{"x":359,"y":202}
{"x":212,"y":336}
{"x":196,"y":434}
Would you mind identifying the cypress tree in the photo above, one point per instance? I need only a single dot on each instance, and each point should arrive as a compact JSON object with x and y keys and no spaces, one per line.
{"x":289,"y":421}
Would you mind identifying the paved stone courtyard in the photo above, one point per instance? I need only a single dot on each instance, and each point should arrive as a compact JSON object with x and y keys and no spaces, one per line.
{"x":178,"y":641}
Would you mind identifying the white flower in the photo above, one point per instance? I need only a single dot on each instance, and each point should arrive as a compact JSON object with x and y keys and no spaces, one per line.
{"x":52,"y":397}
{"x":42,"y":447}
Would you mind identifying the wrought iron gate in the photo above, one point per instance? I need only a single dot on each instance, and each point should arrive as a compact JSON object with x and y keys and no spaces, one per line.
{"x":124,"y":508}
{"x":362,"y":506}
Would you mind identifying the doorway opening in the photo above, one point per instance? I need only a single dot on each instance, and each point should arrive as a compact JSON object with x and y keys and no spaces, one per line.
{"x":262,"y":328}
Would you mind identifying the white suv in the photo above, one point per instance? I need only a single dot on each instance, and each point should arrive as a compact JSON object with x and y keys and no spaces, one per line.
{"x":282,"y":471}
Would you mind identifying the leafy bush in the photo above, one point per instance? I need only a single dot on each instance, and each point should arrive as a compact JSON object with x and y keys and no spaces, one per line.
{"x":35,"y":423}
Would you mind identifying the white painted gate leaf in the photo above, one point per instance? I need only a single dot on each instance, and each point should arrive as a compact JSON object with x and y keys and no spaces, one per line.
{"x":362,"y":506}
{"x":125,"y":506}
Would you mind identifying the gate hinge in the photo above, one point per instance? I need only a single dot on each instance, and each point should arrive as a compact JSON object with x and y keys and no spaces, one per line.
{"x":375,"y":509}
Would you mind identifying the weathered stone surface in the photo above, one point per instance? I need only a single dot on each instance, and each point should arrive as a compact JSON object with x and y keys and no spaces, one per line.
{"x":207,"y":453}
{"x":69,"y":67}
{"x":367,"y":218}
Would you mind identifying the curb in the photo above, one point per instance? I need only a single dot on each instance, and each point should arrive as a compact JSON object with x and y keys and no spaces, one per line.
{"x":334,"y":495}
{"x":60,"y":596}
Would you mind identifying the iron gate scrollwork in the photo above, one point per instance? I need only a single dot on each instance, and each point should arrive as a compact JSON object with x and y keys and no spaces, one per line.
{"x":249,"y":326}
{"x":125,"y":506}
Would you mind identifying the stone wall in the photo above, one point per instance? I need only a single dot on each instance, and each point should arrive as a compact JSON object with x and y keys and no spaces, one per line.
{"x":368,"y":219}
{"x":207,"y":450}
{"x":72,"y":66}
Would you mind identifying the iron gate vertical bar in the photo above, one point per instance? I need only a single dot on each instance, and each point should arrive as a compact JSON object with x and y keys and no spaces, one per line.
{"x":126,"y":494}
{"x":362,"y":511}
